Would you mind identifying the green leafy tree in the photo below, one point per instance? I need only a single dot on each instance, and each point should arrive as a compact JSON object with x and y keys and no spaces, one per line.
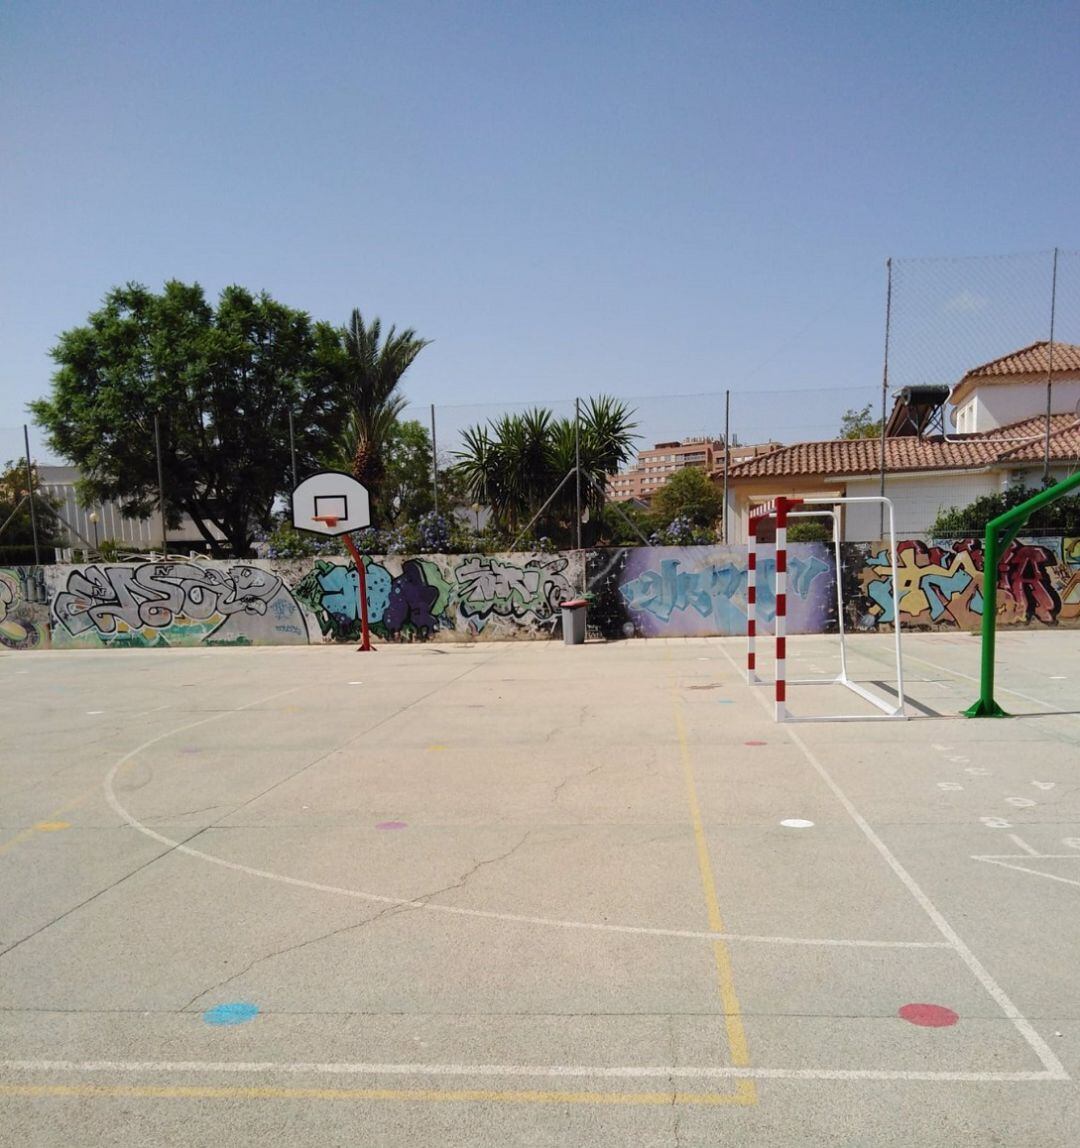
{"x":860,"y":424}
{"x":16,"y":527}
{"x":1060,"y":517}
{"x":373,"y":370}
{"x":407,"y":491}
{"x":221,"y":382}
{"x":689,"y":494}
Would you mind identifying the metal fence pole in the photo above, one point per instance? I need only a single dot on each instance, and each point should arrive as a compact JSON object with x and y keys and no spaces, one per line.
{"x":1050,"y":370}
{"x":885,"y":386}
{"x":161,"y":487}
{"x":30,"y":494}
{"x":292,"y":453}
{"x":434,"y":463}
{"x":577,"y":464}
{"x":727,"y":463}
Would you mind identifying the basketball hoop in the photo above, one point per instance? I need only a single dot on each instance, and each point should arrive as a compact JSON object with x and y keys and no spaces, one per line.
{"x":330,"y":520}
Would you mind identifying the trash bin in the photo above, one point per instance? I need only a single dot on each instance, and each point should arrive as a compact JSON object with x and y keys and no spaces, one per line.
{"x":573,"y":621}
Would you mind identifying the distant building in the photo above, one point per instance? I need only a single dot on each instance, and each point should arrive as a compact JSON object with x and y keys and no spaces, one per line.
{"x":58,"y":483}
{"x":654,"y":467}
{"x":1002,"y":437}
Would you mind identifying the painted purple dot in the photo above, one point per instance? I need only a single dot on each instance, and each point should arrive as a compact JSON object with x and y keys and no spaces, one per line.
{"x":392,"y":825}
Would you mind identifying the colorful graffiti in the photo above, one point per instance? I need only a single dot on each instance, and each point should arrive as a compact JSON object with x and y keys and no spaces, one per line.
{"x":940,"y":584}
{"x":23,"y":613}
{"x":650,"y":592}
{"x":463,"y":595}
{"x":174,"y":603}
{"x":411,"y":604}
{"x":699,"y":591}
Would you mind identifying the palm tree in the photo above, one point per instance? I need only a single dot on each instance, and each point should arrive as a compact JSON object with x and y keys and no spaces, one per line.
{"x":372,"y":375}
{"x":515,"y":463}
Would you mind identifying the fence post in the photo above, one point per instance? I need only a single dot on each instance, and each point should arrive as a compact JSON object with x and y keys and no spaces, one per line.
{"x":30,"y":493}
{"x":434,"y":463}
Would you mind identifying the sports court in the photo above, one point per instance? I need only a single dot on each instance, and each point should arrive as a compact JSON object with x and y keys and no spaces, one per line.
{"x":525,"y":893}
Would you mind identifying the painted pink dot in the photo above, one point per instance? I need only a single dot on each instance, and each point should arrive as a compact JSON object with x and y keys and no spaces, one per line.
{"x":928,"y":1015}
{"x":392,"y":825}
{"x":755,"y":743}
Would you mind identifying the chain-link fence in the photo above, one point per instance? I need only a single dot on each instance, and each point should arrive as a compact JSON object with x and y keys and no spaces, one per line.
{"x":944,"y":317}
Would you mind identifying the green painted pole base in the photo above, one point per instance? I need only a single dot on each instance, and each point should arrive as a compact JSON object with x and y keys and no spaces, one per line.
{"x":985,"y":709}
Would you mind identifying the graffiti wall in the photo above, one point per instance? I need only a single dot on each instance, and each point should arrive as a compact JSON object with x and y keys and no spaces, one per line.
{"x":24,"y":613}
{"x":463,"y":596}
{"x":940,"y":584}
{"x":672,"y":592}
{"x":172,"y":604}
{"x":641,"y":591}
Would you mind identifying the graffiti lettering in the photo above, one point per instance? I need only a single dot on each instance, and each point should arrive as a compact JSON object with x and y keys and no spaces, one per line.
{"x":488,"y":587}
{"x":164,"y":602}
{"x":661,"y":593}
{"x":941,"y":584}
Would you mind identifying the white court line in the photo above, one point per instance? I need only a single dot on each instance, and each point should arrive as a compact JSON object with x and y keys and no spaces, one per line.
{"x":1024,"y":845}
{"x":1025,"y":869}
{"x":997,"y":688}
{"x":454,"y":910}
{"x":1041,"y":1049}
{"x":712,"y":1072}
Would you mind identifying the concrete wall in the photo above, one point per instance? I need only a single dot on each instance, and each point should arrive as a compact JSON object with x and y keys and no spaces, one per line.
{"x":645,"y":592}
{"x":941,"y":584}
{"x":307,"y":600}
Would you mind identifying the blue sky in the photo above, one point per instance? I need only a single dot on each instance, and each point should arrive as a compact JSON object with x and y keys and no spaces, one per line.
{"x":641,"y":199}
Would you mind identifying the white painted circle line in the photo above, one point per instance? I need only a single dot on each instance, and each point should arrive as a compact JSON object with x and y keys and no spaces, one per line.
{"x":483,"y":914}
{"x":796,"y":823}
{"x":92,"y":713}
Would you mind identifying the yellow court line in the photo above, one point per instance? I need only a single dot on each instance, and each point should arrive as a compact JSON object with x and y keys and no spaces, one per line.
{"x":736,"y":1033}
{"x":209,"y":1092}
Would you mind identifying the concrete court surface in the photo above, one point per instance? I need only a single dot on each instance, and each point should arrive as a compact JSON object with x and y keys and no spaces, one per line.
{"x":529,"y":894}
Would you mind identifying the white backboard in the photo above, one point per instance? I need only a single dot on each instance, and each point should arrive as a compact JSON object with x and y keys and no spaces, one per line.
{"x":334,"y":495}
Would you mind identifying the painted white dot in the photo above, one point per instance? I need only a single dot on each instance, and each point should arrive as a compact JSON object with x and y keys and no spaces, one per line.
{"x":1058,"y":678}
{"x":356,"y":683}
{"x":90,"y":713}
{"x":796,"y":823}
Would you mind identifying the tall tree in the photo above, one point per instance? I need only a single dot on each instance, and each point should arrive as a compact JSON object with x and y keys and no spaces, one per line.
{"x":373,"y":370}
{"x":16,"y":526}
{"x":689,"y":493}
{"x":220,"y":381}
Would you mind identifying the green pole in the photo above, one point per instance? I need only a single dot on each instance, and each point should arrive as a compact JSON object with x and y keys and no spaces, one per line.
{"x":1000,"y":532}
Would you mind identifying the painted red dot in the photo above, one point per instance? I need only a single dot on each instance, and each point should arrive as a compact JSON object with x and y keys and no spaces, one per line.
{"x":755,"y":743}
{"x":928,"y":1015}
{"x":392,"y":825}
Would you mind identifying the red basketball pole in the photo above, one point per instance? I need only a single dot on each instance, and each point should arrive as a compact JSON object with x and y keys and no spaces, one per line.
{"x":365,"y":633}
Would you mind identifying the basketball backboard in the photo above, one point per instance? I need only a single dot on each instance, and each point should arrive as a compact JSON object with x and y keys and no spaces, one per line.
{"x":331,"y":502}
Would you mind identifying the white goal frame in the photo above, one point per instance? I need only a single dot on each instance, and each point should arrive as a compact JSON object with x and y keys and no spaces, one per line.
{"x":782,"y":509}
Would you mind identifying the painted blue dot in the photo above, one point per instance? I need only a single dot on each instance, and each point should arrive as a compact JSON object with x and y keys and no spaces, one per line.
{"x":234,"y":1012}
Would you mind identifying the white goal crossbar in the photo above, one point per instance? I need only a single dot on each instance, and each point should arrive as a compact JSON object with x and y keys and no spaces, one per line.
{"x":782,"y":509}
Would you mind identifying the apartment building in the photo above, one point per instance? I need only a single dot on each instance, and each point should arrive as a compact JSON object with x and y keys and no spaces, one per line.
{"x":655,"y":466}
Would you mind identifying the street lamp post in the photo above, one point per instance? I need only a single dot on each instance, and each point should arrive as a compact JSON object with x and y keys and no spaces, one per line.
{"x":93,"y":523}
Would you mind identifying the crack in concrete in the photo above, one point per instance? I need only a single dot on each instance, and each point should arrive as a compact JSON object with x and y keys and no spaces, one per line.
{"x":555,"y":793}
{"x":388,"y":911}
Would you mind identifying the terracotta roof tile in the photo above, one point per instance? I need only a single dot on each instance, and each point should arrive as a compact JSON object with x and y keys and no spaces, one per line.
{"x":863,"y":455}
{"x":1033,"y":360}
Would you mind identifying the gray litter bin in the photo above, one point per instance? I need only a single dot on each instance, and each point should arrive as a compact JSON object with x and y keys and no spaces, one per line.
{"x":573,"y":621}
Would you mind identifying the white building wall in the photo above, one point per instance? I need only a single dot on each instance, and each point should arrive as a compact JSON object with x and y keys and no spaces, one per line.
{"x":917,"y":500}
{"x":998,"y":404}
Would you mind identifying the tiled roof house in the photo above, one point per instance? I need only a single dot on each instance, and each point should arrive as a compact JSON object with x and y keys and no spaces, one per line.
{"x":999,"y":401}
